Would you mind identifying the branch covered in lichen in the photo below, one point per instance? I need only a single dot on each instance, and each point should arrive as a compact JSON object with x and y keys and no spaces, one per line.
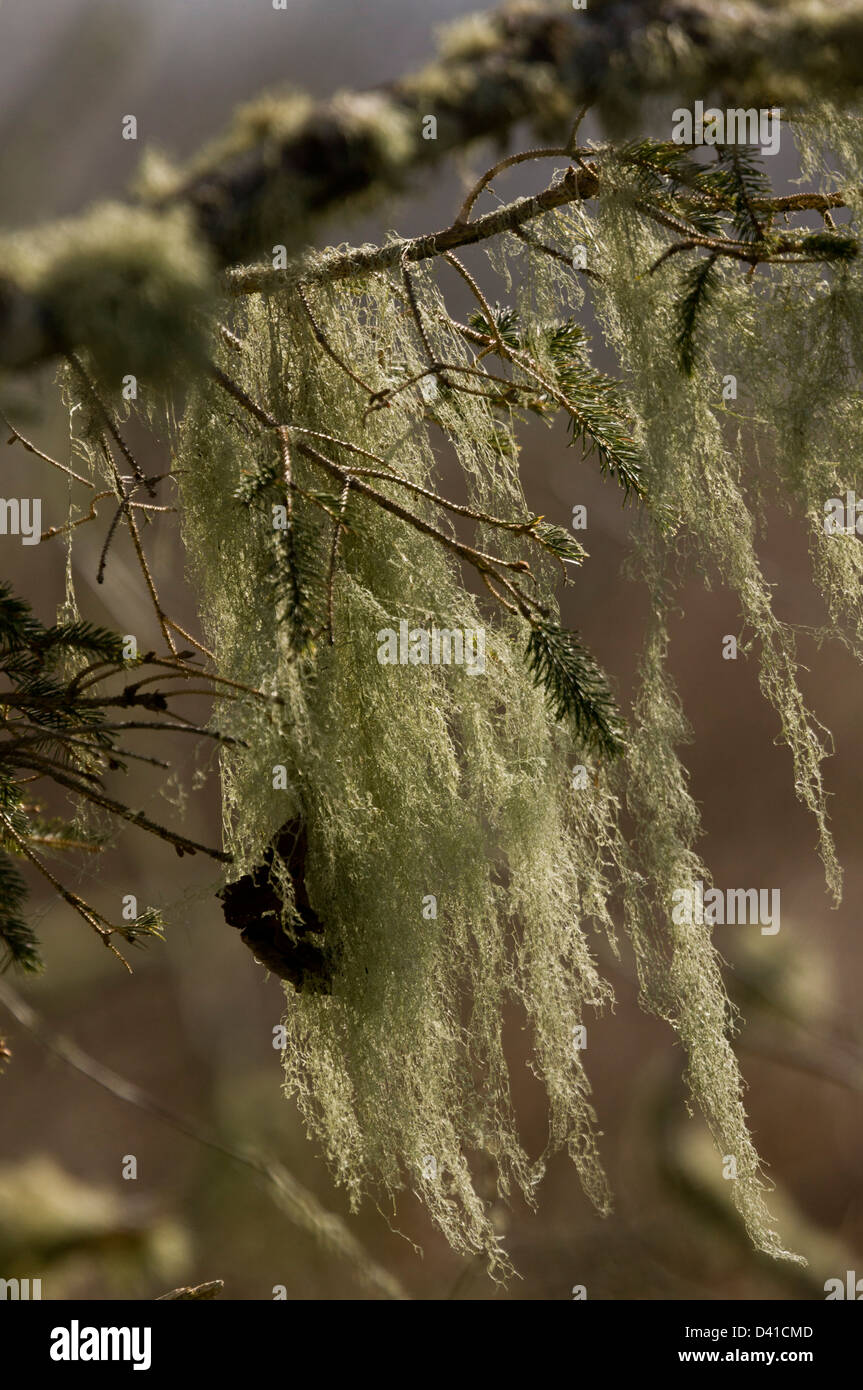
{"x":120,"y":282}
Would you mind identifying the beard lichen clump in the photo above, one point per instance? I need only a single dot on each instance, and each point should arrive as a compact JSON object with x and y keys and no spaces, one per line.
{"x":444,"y":858}
{"x":452,"y":859}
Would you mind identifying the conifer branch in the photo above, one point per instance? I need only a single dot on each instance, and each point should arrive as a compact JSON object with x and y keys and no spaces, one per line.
{"x":53,"y":726}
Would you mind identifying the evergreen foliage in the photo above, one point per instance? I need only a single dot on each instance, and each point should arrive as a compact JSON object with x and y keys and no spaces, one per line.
{"x":59,"y":725}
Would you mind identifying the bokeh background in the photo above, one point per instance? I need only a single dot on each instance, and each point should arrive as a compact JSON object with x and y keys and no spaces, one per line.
{"x":193,"y":1024}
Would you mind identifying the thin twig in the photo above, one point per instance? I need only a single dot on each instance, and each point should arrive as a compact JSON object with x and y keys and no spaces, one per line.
{"x":99,"y":798}
{"x":334,"y":551}
{"x":300,"y":1205}
{"x":245,"y":400}
{"x":553,"y":151}
{"x":31,"y":449}
{"x":189,"y":638}
{"x":415,"y":310}
{"x":110,"y":423}
{"x":132,"y":526}
{"x":481,"y":561}
{"x":477,"y":558}
{"x":322,"y":340}
{"x":556,"y":255}
{"x":99,"y":924}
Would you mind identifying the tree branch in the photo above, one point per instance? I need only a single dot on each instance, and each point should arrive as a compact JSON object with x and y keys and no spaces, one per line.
{"x":575,"y":185}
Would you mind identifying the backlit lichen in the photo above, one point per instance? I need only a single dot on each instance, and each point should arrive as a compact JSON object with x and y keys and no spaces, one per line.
{"x":424,"y":785}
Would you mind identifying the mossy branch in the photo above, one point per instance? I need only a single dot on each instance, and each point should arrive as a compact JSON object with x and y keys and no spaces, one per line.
{"x":285,"y":163}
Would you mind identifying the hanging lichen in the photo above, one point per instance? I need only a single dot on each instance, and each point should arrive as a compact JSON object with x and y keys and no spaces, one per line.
{"x":452,"y":862}
{"x":437,"y":799}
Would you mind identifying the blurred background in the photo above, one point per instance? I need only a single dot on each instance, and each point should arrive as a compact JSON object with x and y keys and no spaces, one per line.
{"x":193,"y":1025}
